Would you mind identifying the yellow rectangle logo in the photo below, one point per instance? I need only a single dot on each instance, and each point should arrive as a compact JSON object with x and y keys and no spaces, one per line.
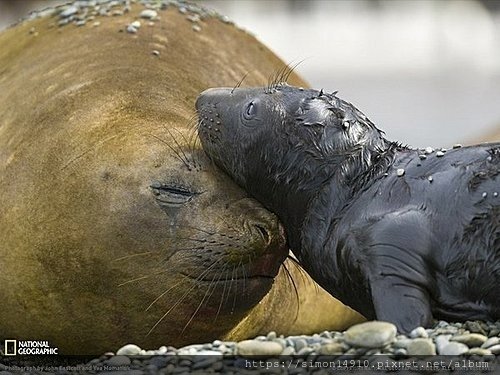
{"x":10,"y":347}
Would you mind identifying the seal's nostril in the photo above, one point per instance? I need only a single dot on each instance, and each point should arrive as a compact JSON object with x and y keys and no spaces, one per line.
{"x":264,"y":233}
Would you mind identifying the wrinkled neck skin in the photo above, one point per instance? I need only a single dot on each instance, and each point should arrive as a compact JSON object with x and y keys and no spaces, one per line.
{"x":306,"y":192}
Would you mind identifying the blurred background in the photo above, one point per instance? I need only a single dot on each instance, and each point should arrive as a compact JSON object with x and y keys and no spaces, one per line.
{"x":425,"y":71}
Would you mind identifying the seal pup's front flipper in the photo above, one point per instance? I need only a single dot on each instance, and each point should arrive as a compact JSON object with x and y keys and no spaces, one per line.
{"x":404,"y":304}
{"x":399,"y":280}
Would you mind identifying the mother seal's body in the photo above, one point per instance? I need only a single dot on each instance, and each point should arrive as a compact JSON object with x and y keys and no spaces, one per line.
{"x":114,"y":226}
{"x":398,"y":234}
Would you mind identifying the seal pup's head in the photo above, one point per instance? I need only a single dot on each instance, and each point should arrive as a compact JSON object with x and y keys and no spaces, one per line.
{"x":283,"y":143}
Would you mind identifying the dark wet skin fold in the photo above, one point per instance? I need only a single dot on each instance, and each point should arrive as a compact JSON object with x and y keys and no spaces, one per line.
{"x":400,"y":234}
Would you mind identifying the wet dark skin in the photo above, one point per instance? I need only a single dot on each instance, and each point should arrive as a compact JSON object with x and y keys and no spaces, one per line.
{"x":397,"y":234}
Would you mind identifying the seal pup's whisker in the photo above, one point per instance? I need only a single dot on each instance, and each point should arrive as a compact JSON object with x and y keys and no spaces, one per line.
{"x":238,"y":84}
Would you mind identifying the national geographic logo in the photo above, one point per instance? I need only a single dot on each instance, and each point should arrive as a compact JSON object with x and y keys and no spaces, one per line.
{"x":10,"y":347}
{"x":15,"y":347}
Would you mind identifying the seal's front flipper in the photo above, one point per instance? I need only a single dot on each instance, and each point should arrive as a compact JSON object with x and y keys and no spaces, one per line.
{"x":399,"y":265}
{"x":401,"y":303}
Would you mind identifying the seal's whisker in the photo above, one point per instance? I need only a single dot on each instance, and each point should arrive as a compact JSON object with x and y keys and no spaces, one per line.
{"x":292,"y":281}
{"x":221,"y":299}
{"x":230,"y":285}
{"x":165,"y":292}
{"x":133,"y":256}
{"x":134,"y":280}
{"x":202,"y":301}
{"x":291,"y":70}
{"x":180,"y":148}
{"x":235,"y":286}
{"x":298,"y":266}
{"x":238,"y":84}
{"x":179,"y":157}
{"x":179,"y":301}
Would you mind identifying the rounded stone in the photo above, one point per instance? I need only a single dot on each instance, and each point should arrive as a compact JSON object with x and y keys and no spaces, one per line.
{"x":490,"y":342}
{"x":331,"y":349}
{"x":129,"y":349}
{"x":419,"y":332}
{"x":478,"y":351}
{"x":148,"y":14}
{"x":253,"y":347}
{"x":495,"y":349}
{"x":421,"y":346}
{"x":454,"y":348}
{"x":372,"y":334}
{"x":470,"y":339}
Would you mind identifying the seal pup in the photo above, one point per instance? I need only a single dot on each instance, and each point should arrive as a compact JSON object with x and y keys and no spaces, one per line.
{"x":399,"y":234}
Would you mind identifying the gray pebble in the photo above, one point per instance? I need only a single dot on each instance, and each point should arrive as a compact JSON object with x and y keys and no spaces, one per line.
{"x":490,"y":342}
{"x":429,"y":150}
{"x":495,"y":349}
{"x":454,"y":348}
{"x":478,"y":351}
{"x":439,"y":154}
{"x":441,"y":342}
{"x":68,"y":12}
{"x":402,"y":343}
{"x":299,"y":344}
{"x":193,"y":18}
{"x":331,"y":349}
{"x":419,"y":332}
{"x":372,"y":334}
{"x":136,"y":24}
{"x":148,"y":14}
{"x":196,"y":28}
{"x":131,"y":29}
{"x":421,"y":346}
{"x":271,"y":335}
{"x":422,"y":157}
{"x":470,"y":339}
{"x":457,"y":145}
{"x":253,"y":347}
{"x":129,"y":349}
{"x":289,"y":350}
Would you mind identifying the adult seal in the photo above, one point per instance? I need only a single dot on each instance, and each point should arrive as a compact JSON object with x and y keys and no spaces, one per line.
{"x":399,"y":234}
{"x":114,"y":226}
